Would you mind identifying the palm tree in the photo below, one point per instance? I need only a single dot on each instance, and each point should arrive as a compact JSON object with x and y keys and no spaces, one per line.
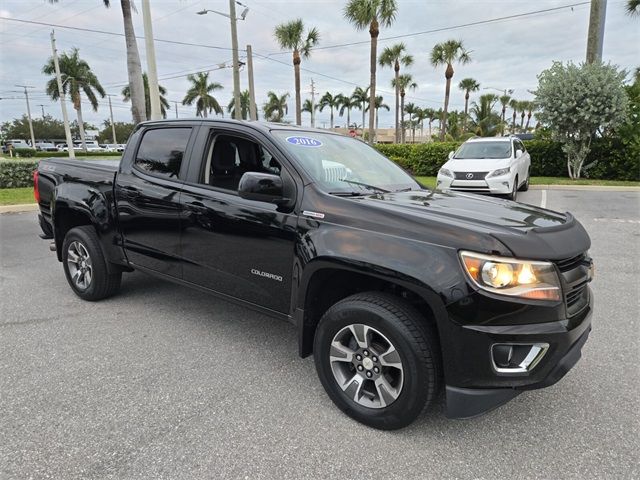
{"x":77,"y":78}
{"x":515,"y":105}
{"x":276,"y":107}
{"x":531,"y":106}
{"x":504,"y":102}
{"x":524,"y":105}
{"x":378,"y":105}
{"x":633,"y":8}
{"x":164,"y":103}
{"x":200,"y":92}
{"x":485,"y":119}
{"x":404,"y":83}
{"x":309,"y":107}
{"x":431,"y":115}
{"x":291,"y":36}
{"x":371,"y":14}
{"x":467,"y":85}
{"x":245,"y":102}
{"x":331,"y":101}
{"x":134,"y":68}
{"x":446,"y":54}
{"x":412,"y":109}
{"x":421,"y":115}
{"x":347,"y":103}
{"x":395,"y":56}
{"x":361,"y":97}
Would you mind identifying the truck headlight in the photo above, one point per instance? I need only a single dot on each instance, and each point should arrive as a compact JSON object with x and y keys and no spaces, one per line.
{"x":445,"y":173}
{"x":500,"y":172}
{"x":533,"y":280}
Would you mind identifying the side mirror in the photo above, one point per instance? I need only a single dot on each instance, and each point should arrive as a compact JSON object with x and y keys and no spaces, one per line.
{"x":262,"y":187}
{"x":451,"y":154}
{"x":518,"y":153}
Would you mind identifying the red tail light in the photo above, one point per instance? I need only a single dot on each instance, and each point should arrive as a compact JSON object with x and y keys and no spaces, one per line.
{"x":36,"y":190}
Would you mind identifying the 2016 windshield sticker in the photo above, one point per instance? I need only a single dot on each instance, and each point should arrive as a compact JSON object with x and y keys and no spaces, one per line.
{"x":304,"y":141}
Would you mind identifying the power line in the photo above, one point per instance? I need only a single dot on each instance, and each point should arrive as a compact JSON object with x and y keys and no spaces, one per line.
{"x":441,"y":29}
{"x":104,"y":32}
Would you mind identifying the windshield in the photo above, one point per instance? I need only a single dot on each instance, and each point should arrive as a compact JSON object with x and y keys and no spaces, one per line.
{"x":345,"y":165}
{"x":479,"y":150}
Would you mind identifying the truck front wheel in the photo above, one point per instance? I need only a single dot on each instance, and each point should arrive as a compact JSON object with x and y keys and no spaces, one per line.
{"x":85,"y":266}
{"x":377,"y":359}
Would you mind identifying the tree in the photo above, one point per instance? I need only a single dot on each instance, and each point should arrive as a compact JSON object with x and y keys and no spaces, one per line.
{"x":412,"y":109}
{"x":77,"y":78}
{"x":347,"y":103}
{"x":504,"y":102}
{"x":395,"y":56}
{"x":123,"y":131}
{"x":330,"y":101}
{"x":431,"y":115}
{"x":371,"y":14}
{"x":291,"y":36}
{"x":531,"y":106}
{"x":134,"y":68}
{"x":467,"y":85}
{"x":48,"y":128}
{"x":404,"y":83}
{"x":485,"y":120}
{"x":421,"y":115}
{"x":633,"y":8}
{"x":276,"y":107}
{"x":164,"y":103}
{"x":200,"y":93}
{"x":378,"y":105}
{"x":515,"y":106}
{"x":446,"y":54}
{"x":309,"y":107}
{"x":576,"y":101}
{"x":361,"y":97}
{"x":245,"y":102}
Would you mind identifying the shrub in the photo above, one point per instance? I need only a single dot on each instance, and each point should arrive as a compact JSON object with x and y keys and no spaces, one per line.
{"x":17,"y":173}
{"x":24,"y":152}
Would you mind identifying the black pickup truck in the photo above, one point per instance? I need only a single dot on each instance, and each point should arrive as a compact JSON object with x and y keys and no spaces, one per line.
{"x":396,"y":289}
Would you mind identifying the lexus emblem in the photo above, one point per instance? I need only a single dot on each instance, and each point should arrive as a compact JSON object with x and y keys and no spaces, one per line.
{"x":469,"y":176}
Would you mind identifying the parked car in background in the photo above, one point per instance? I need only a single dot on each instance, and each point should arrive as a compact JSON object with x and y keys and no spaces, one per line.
{"x":112,"y":147}
{"x":495,"y":165}
{"x":524,"y":136}
{"x":17,"y":143}
{"x":46,"y":147}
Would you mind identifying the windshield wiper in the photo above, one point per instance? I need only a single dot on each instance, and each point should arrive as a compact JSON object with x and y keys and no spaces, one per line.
{"x":347,"y":194}
{"x":365,"y":185}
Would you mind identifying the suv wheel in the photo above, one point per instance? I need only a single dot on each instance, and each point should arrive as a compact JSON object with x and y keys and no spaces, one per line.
{"x":525,"y":185}
{"x":85,"y":266}
{"x":377,"y":359}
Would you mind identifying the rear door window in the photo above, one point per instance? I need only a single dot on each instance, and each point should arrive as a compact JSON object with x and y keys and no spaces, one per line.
{"x":161,"y":151}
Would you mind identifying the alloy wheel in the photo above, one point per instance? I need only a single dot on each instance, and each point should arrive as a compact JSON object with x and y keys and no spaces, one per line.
{"x":79,"y":264}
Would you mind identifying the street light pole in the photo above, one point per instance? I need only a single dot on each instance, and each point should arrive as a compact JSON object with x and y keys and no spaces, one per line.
{"x":26,"y":96}
{"x":236,"y":67}
{"x":253,"y":113}
{"x":113,"y":125}
{"x":63,"y":103}
{"x":152,"y":71}
{"x":595,"y":36}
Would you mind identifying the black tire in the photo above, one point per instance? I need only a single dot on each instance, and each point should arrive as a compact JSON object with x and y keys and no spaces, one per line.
{"x":101,"y":284}
{"x":525,"y":186}
{"x":412,"y":336}
{"x":514,"y":191}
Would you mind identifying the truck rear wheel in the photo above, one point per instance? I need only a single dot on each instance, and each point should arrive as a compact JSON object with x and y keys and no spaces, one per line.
{"x":378,"y":359}
{"x":85,"y":266}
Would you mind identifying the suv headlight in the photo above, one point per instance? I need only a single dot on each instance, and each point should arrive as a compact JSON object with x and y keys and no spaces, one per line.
{"x":500,"y":172}
{"x":445,"y":173}
{"x":533,"y":280}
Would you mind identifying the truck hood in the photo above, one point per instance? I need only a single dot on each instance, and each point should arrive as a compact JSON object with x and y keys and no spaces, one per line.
{"x":528,"y":231}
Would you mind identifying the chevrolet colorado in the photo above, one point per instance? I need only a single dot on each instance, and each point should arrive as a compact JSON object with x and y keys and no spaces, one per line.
{"x":397,"y":290}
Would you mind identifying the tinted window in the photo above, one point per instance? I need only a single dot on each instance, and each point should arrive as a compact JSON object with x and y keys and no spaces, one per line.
{"x":161,"y":151}
{"x":484,"y":149}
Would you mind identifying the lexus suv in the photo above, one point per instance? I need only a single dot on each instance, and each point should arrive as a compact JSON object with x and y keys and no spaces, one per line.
{"x":495,"y":165}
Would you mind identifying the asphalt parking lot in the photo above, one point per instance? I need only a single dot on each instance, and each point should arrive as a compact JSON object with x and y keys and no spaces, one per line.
{"x":164,"y":382}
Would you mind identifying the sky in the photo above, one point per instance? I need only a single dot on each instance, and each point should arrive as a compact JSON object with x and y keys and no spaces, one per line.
{"x":506,"y":54}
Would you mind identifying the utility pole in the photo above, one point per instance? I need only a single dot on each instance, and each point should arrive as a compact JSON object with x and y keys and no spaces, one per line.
{"x":595,"y":37}
{"x":42,"y":107}
{"x":236,"y":67}
{"x":253,"y":109}
{"x":176,"y":104}
{"x":152,"y":71}
{"x":113,"y":125}
{"x":26,"y":96}
{"x":313,"y":104}
{"x":63,"y":104}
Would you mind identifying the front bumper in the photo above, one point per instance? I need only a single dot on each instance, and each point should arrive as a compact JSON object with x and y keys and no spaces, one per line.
{"x":502,"y":185}
{"x":474,"y":386}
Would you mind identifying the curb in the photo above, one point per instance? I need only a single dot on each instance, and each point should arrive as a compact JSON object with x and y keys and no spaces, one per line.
{"x":25,"y":207}
{"x":594,"y":188}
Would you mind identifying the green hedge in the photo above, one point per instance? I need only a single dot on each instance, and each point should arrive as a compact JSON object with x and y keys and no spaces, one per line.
{"x":79,"y":153}
{"x":610,"y":158}
{"x":25,"y":152}
{"x":17,"y":173}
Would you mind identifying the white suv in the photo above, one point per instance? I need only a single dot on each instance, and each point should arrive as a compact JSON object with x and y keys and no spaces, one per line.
{"x":498,"y":165}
